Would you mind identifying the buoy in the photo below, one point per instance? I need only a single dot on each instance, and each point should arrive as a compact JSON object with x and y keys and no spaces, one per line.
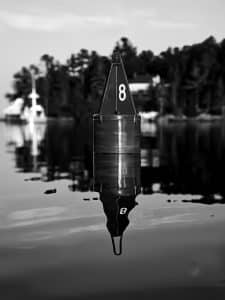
{"x":116,"y":128}
{"x":116,"y":152}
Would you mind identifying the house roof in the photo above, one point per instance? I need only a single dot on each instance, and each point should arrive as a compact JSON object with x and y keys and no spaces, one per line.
{"x":138,"y":86}
{"x":14,"y":108}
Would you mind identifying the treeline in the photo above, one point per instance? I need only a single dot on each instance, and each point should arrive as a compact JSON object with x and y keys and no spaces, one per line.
{"x":192,"y":79}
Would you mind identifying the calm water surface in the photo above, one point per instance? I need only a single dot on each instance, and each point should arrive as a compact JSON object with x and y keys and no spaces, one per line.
{"x":60,"y":213}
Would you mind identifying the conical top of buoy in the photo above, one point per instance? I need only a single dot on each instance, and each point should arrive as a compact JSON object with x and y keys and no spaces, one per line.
{"x":117,"y":98}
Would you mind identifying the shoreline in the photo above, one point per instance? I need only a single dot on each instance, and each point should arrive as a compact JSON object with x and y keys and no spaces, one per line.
{"x":184,"y":119}
{"x":160,"y":119}
{"x":50,"y":119}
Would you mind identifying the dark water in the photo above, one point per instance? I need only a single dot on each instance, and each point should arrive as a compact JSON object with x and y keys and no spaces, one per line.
{"x":64,"y":214}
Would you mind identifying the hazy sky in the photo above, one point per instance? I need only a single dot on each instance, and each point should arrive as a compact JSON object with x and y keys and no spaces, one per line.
{"x":30,"y":28}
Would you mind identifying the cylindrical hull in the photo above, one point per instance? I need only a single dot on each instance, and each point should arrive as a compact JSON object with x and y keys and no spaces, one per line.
{"x":117,"y":174}
{"x":116,"y":134}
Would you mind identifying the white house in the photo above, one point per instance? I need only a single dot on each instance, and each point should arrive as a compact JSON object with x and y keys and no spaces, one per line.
{"x":14,"y":110}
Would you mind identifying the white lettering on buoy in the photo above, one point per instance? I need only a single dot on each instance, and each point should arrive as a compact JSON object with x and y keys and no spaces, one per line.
{"x":122,"y":92}
{"x":123,"y":210}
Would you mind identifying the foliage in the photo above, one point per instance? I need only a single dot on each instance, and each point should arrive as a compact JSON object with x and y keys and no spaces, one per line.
{"x":192,"y":79}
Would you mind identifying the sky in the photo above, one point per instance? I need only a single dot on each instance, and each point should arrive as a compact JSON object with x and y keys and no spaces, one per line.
{"x":29,"y":29}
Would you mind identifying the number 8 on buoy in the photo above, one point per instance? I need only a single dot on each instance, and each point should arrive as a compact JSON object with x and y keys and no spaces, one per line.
{"x":122,"y":92}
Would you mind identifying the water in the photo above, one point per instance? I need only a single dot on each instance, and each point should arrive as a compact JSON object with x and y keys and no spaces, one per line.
{"x":59,"y":214}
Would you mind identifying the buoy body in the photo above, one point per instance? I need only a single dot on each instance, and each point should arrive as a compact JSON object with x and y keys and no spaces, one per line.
{"x":116,"y":134}
{"x":116,"y":175}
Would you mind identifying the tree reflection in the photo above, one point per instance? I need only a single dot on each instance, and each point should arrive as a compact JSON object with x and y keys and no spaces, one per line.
{"x":184,"y":159}
{"x":175,"y":159}
{"x":54,"y":151}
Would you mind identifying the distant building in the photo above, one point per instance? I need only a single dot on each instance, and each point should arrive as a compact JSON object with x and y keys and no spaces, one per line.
{"x":137,"y":87}
{"x":14,"y":110}
{"x":140,"y":90}
{"x":17,"y":112}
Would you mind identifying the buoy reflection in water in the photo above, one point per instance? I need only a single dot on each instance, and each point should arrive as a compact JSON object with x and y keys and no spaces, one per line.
{"x":117,"y":179}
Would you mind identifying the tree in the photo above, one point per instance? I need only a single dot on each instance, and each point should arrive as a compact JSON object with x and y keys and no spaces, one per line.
{"x":145,"y":59}
{"x":129,"y":56}
{"x":95,"y":78}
